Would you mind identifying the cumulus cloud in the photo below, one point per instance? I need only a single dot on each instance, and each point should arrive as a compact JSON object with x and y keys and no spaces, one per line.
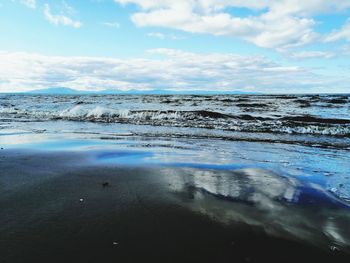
{"x":160,"y":69}
{"x":59,"y":19}
{"x":277,"y":24}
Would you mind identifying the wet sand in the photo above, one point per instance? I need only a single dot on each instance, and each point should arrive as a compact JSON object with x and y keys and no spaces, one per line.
{"x":63,"y":207}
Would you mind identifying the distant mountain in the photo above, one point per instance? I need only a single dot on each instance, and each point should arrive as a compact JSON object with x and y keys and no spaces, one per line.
{"x":63,"y":91}
{"x":173,"y":92}
{"x":68,"y":91}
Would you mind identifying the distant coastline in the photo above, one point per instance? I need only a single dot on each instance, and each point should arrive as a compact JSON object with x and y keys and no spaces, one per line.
{"x":69,"y":91}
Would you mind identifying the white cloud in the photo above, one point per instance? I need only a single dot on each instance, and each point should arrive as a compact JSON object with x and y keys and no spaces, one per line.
{"x":161,"y":69}
{"x":29,"y":3}
{"x":163,"y":36}
{"x":157,"y":35}
{"x":343,"y":33}
{"x":111,"y":24}
{"x":59,"y":19}
{"x":278,"y":24}
{"x":311,"y":55}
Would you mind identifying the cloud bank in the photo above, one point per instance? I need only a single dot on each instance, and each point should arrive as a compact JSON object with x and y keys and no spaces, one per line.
{"x":160,"y":69}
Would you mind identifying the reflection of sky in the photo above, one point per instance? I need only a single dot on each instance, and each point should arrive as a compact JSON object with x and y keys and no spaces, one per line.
{"x":13,"y":138}
{"x":43,"y":142}
{"x":281,"y":206}
{"x":241,"y":184}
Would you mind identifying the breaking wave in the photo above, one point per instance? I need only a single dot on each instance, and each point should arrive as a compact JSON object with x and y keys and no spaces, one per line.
{"x":304,"y":124}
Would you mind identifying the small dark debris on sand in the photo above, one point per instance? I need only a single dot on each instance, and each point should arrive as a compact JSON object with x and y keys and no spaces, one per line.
{"x":105,"y":184}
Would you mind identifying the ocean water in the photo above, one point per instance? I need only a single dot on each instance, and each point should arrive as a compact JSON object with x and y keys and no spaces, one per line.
{"x":279,"y":162}
{"x":278,"y":114}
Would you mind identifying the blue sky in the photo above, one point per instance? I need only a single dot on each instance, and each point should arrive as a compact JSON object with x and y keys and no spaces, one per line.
{"x":252,"y":45}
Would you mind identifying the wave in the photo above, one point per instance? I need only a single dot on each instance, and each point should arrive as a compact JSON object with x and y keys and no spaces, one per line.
{"x":303,"y":124}
{"x":312,"y":119}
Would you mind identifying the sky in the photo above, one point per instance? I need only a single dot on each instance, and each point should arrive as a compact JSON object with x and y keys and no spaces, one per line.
{"x":270,"y":46}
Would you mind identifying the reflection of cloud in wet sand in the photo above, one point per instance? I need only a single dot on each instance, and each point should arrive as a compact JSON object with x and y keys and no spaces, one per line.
{"x":281,"y":206}
{"x":20,"y":137}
